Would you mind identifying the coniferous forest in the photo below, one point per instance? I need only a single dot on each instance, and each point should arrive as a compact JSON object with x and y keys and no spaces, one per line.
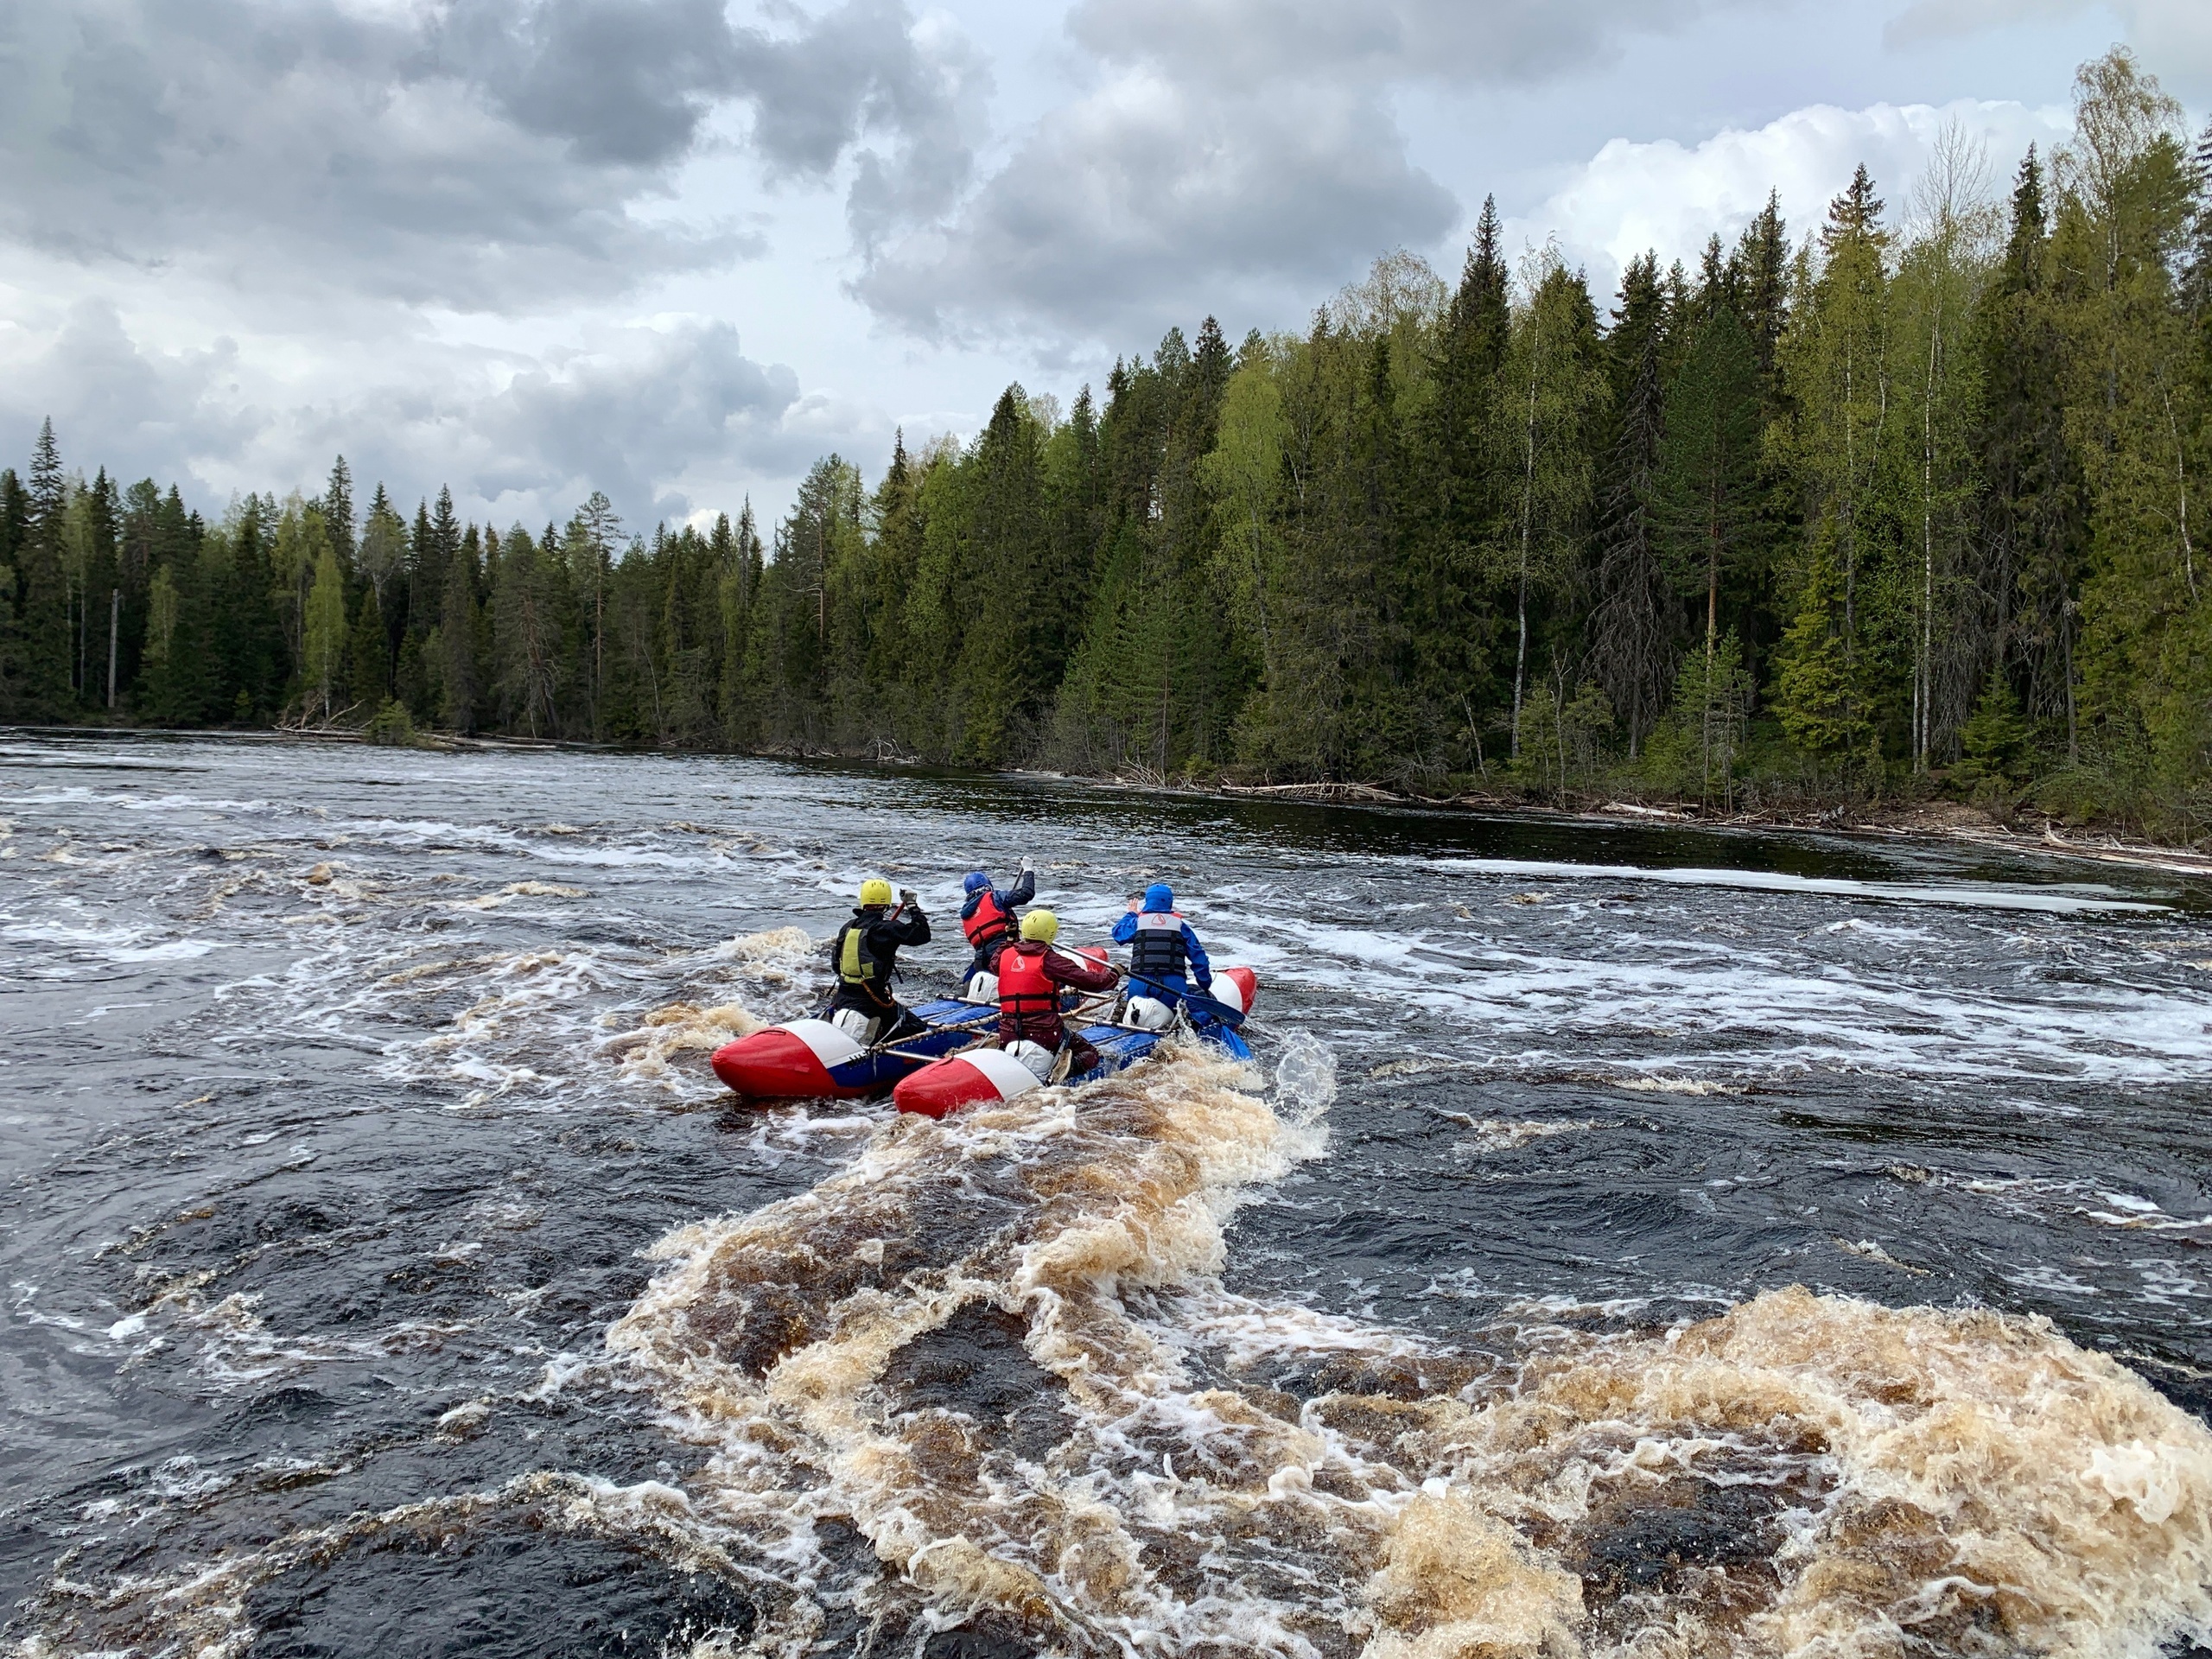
{"x":1899,"y":505}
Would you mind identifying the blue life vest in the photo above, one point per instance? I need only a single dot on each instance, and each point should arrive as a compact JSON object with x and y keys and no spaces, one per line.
{"x":1157,"y":948}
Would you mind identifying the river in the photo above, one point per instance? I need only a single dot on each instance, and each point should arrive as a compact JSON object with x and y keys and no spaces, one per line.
{"x":1629,"y":1241}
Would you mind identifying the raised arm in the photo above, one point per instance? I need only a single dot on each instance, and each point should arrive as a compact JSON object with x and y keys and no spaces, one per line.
{"x":1200,"y":968}
{"x":1064,"y":968}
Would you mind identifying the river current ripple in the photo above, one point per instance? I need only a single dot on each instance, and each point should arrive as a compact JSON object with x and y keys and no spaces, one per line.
{"x":1631,"y":1241}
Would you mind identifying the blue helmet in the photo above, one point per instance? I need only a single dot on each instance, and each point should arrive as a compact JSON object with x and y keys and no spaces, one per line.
{"x":976,"y":881}
{"x":1159,"y":897}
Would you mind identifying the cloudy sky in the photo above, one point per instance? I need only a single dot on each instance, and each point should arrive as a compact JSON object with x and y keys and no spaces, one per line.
{"x":676,"y":250}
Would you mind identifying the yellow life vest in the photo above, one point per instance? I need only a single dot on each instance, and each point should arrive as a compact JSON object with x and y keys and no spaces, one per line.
{"x":854,"y":966}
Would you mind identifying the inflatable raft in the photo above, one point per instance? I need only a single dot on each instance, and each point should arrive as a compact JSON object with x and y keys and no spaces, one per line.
{"x":807,"y":1059}
{"x":804,"y":1059}
{"x":989,"y":1074}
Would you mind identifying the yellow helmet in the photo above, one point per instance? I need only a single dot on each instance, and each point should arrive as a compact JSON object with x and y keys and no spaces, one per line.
{"x":1040,"y":924}
{"x":876,"y":890}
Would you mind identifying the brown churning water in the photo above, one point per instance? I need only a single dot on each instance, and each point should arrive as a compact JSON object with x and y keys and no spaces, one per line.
{"x":997,"y":1349}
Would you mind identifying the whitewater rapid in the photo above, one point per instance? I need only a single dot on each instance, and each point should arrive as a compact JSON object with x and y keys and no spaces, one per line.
{"x":1634,"y":1253}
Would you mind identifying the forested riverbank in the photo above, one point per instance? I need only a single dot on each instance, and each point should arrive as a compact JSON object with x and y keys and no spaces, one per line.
{"x":1900,"y":505}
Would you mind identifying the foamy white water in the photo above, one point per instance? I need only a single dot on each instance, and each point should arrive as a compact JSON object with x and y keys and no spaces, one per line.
{"x":1614,"y":1252}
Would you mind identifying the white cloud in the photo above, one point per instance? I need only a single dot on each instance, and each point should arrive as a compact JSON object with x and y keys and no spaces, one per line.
{"x":1631,"y":196}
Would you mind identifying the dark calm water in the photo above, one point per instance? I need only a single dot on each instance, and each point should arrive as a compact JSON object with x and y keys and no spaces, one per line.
{"x":1631,"y":1241}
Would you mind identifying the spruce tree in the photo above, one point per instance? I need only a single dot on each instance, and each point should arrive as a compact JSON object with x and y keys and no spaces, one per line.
{"x":337,"y":512}
{"x":1008,"y":664}
{"x":2032,"y":538}
{"x":897,"y":518}
{"x":1632,"y":625}
{"x":1837,"y":358}
{"x":35,"y":661}
{"x":1760,"y":284}
{"x":1708,"y":465}
{"x":459,"y":685}
{"x":741,"y":698}
{"x":368,"y":659}
{"x":1450,"y":520}
{"x":98,"y":515}
{"x":14,"y":518}
{"x":1075,"y":491}
{"x":588,"y":552}
{"x":1994,"y":739}
{"x":1822,"y":691}
{"x":527,"y":646}
{"x":248,"y":635}
{"x":413,"y":674}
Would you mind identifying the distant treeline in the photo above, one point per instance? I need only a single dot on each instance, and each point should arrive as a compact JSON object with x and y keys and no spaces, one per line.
{"x":1908,"y":504}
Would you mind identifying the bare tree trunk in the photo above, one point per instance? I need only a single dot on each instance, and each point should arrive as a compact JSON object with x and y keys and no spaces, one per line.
{"x":114,"y":626}
{"x":2181,"y":483}
{"x":1923,"y":691}
{"x":2066,"y":645}
{"x":1528,"y":518}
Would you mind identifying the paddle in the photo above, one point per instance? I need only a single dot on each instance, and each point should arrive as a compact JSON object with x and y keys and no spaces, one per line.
{"x":887,"y":1045}
{"x":908,"y":1054}
{"x":1197,"y":1000}
{"x":885,"y":1049}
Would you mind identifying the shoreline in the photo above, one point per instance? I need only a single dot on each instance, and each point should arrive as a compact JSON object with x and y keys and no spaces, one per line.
{"x":1953,"y":822}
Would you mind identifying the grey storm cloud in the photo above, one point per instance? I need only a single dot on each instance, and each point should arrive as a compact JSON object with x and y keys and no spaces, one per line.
{"x":645,"y":408}
{"x":1232,"y":153}
{"x":153,"y":414}
{"x":626,"y":423}
{"x":480,"y":154}
{"x":1460,"y":40}
{"x":1154,"y":200}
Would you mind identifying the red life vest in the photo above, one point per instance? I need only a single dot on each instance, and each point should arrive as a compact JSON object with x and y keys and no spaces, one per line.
{"x":989,"y":924}
{"x":1025,"y":990}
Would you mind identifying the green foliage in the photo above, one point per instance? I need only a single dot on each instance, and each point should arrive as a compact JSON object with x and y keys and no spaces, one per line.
{"x":1707,"y":482}
{"x":1558,"y":742}
{"x":36,"y":652}
{"x":325,"y":635}
{"x":1546,"y":410}
{"x":1697,"y":749}
{"x":1822,"y":691}
{"x":1994,"y":742}
{"x":392,"y":725}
